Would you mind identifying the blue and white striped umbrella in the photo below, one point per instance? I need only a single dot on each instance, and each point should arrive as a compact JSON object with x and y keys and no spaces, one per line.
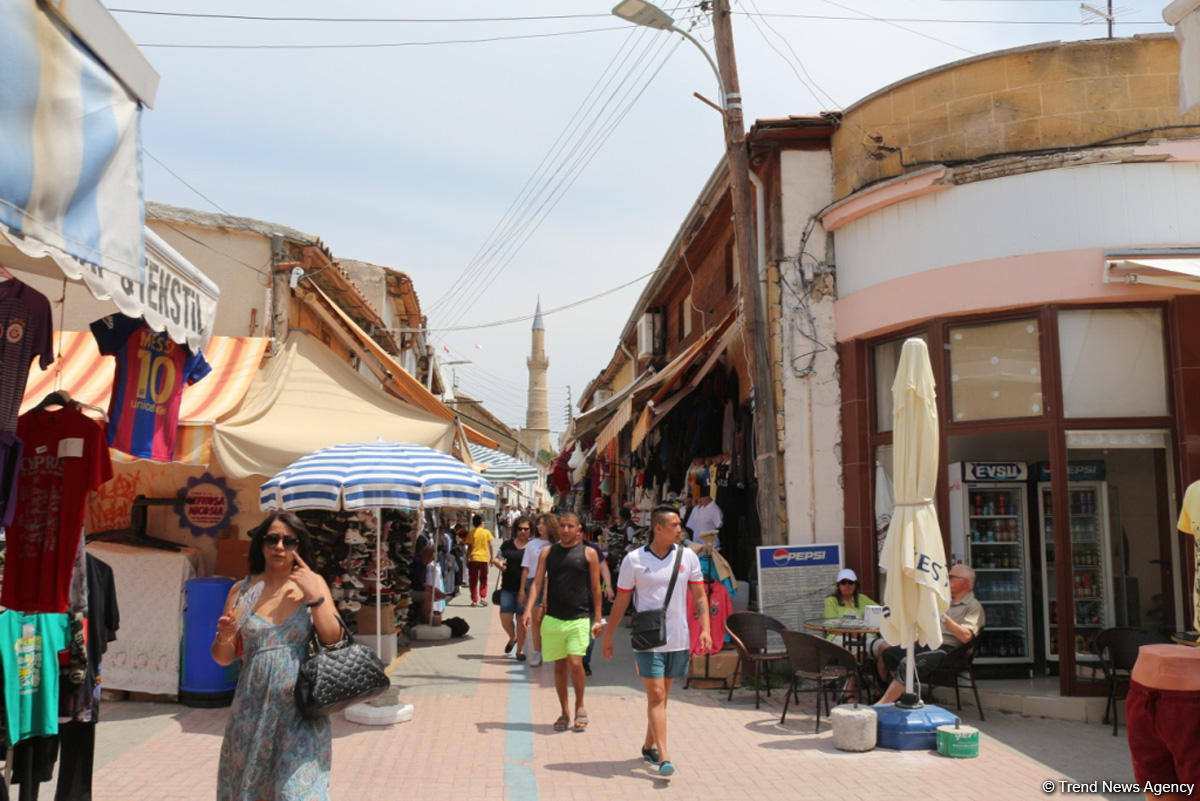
{"x":376,"y":475}
{"x":501,"y":466}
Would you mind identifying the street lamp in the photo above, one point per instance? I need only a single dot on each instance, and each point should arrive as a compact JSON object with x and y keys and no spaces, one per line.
{"x":754,"y":321}
{"x":639,"y":12}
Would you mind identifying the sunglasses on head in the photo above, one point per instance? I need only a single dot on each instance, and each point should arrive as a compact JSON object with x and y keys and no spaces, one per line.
{"x":290,"y":543}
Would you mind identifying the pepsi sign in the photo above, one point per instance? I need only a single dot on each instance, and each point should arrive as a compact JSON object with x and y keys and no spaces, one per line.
{"x":798,"y":556}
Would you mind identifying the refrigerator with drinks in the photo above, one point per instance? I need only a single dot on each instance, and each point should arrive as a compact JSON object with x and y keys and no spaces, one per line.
{"x":1091,"y":567}
{"x":988,"y":531}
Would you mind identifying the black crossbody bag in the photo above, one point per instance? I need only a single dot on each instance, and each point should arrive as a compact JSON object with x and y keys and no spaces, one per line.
{"x":650,"y":627}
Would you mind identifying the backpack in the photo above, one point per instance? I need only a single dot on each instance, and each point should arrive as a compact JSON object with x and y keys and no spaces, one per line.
{"x":458,"y":626}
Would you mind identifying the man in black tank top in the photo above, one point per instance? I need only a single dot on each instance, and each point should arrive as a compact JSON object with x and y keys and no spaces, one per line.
{"x":571,"y":574}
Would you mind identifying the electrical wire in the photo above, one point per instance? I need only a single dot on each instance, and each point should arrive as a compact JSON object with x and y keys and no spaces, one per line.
{"x":901,"y":27}
{"x":944,"y":21}
{"x":505,"y":220}
{"x":407,"y":20}
{"x":810,"y":84}
{"x":369,"y":45}
{"x":549,"y":177}
{"x":179,"y":178}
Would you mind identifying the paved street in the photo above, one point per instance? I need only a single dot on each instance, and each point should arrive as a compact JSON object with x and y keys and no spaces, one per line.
{"x":483,"y":730}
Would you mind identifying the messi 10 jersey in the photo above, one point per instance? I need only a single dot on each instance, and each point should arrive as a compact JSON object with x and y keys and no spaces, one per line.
{"x":148,"y":386}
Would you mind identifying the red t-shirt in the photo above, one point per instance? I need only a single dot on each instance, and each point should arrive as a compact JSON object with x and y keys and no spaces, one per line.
{"x":65,"y":458}
{"x":719,"y":607}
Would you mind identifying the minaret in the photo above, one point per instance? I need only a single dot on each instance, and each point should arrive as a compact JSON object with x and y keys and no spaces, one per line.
{"x":536,"y":434}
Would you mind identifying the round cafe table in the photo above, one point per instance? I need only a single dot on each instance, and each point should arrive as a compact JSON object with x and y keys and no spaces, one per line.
{"x":852,"y":630}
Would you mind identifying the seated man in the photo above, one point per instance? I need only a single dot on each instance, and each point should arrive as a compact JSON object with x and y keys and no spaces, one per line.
{"x":960,"y":624}
{"x":433,"y":596}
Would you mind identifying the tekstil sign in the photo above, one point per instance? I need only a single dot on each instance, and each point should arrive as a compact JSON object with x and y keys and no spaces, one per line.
{"x":793,"y":580}
{"x":207,"y":505}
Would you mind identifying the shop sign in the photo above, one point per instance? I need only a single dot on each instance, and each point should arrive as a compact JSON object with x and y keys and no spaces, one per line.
{"x":1089,"y":470}
{"x":997,"y":471}
{"x":207,"y":505}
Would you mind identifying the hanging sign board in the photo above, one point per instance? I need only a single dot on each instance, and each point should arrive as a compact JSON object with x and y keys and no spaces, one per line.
{"x":793,"y":581}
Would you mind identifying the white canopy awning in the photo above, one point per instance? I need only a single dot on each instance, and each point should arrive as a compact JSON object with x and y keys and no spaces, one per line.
{"x":1178,"y":268}
{"x":306,"y":398}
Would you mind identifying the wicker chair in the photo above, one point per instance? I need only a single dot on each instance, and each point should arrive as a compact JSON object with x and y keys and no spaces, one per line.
{"x":748,"y":631}
{"x":1118,"y":650}
{"x":827,"y":663}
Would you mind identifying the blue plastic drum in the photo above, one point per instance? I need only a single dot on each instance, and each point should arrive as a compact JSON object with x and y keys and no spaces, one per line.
{"x":202,"y":681}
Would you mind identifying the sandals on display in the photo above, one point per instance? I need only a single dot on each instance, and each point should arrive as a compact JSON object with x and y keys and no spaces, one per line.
{"x":562,"y":723}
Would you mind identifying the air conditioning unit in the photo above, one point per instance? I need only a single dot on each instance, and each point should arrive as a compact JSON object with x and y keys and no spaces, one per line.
{"x":649,"y":339}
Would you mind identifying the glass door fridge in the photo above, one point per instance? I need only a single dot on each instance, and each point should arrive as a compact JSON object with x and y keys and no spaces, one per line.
{"x":989,"y":514}
{"x":1091,"y":568}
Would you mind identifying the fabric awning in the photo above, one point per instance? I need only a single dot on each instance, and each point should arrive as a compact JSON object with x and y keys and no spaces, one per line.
{"x":712,"y":344}
{"x":502,"y":467}
{"x":70,"y":179}
{"x":84,"y":373}
{"x":403,"y":381}
{"x":1178,"y":268}
{"x":306,"y":398}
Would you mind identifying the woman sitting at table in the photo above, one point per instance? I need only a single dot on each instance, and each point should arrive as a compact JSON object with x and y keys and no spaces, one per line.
{"x":846,"y":600}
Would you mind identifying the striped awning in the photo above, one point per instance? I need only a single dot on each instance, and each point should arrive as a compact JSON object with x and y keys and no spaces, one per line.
{"x":501,"y":466}
{"x":81,"y":370}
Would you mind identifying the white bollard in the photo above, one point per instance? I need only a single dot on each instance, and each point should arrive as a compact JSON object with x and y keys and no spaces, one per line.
{"x":854,"y":727}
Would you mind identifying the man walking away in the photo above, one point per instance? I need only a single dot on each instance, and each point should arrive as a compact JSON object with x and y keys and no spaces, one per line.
{"x":647,"y":571}
{"x":570,"y":571}
{"x":482,"y":552}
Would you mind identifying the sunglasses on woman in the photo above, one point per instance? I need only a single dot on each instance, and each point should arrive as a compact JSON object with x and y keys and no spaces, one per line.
{"x":847,"y":581}
{"x":289,"y":543}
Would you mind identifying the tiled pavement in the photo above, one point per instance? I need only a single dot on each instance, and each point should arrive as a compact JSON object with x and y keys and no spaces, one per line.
{"x":482,"y":730}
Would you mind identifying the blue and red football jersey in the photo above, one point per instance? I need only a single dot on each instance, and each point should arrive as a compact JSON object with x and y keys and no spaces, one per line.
{"x":148,"y":386}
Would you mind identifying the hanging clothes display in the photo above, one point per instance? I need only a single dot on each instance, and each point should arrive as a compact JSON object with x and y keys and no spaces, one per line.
{"x":65,"y":458}
{"x":29,"y":645}
{"x":28,"y":330}
{"x":147,"y":386}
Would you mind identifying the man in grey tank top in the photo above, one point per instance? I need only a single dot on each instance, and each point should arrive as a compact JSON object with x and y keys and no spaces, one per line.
{"x":570,"y":572}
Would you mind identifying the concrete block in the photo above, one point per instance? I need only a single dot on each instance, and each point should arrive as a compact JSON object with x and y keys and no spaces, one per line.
{"x":855,"y":728}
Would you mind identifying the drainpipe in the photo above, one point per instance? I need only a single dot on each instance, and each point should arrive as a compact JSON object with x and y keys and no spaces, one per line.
{"x":760,"y":226}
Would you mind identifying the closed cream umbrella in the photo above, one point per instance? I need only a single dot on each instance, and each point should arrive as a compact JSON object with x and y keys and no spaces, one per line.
{"x":918,"y":587}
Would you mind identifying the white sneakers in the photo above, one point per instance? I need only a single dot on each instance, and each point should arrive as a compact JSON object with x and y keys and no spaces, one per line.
{"x":535,"y":659}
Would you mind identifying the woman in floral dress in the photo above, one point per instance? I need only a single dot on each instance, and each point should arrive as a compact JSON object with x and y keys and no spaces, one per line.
{"x":271,"y":753}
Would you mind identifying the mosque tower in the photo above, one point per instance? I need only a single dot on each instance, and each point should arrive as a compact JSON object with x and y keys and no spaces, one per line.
{"x":536,"y":434}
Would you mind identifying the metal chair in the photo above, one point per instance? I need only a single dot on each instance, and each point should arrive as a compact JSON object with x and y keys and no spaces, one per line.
{"x":817,"y":659}
{"x":748,"y":631}
{"x":957,"y":670}
{"x":1118,"y":649}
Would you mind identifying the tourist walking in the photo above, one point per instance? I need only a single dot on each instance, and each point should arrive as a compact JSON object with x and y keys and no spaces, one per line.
{"x":269,"y":750}
{"x":570,"y":573}
{"x":547,"y":533}
{"x":481,"y":552}
{"x":648,"y":571}
{"x":511,"y":609}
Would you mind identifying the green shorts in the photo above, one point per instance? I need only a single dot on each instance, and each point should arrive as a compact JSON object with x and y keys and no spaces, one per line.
{"x":561,"y":638}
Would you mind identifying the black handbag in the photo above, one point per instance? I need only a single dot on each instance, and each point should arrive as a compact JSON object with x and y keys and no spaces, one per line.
{"x":649,"y":628}
{"x":333,"y":677}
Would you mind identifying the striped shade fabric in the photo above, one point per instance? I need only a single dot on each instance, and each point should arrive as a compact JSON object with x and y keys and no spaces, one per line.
{"x":376,"y":475}
{"x":501,"y":466}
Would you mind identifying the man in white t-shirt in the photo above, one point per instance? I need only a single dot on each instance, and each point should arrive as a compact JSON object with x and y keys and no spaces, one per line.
{"x":433,"y":602}
{"x":706,"y":516}
{"x":647,"y":571}
{"x":529,"y":563}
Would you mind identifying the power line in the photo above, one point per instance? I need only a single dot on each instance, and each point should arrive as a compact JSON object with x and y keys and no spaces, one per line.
{"x":525,"y":317}
{"x":534,"y":185}
{"x":945,"y":21}
{"x":407,"y":20}
{"x":369,"y":45}
{"x":901,"y":27}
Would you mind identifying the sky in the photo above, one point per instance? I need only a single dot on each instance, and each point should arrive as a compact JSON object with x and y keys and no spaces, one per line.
{"x":555,"y":166}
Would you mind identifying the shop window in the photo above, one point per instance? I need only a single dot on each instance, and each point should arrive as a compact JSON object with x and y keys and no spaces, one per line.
{"x":887,"y":359}
{"x":995,"y":370}
{"x":1113,"y":363}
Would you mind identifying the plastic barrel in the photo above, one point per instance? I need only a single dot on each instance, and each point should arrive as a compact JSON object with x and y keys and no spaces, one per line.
{"x":202,"y":682}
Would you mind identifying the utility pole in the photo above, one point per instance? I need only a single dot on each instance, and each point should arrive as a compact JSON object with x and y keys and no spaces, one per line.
{"x":754,"y":318}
